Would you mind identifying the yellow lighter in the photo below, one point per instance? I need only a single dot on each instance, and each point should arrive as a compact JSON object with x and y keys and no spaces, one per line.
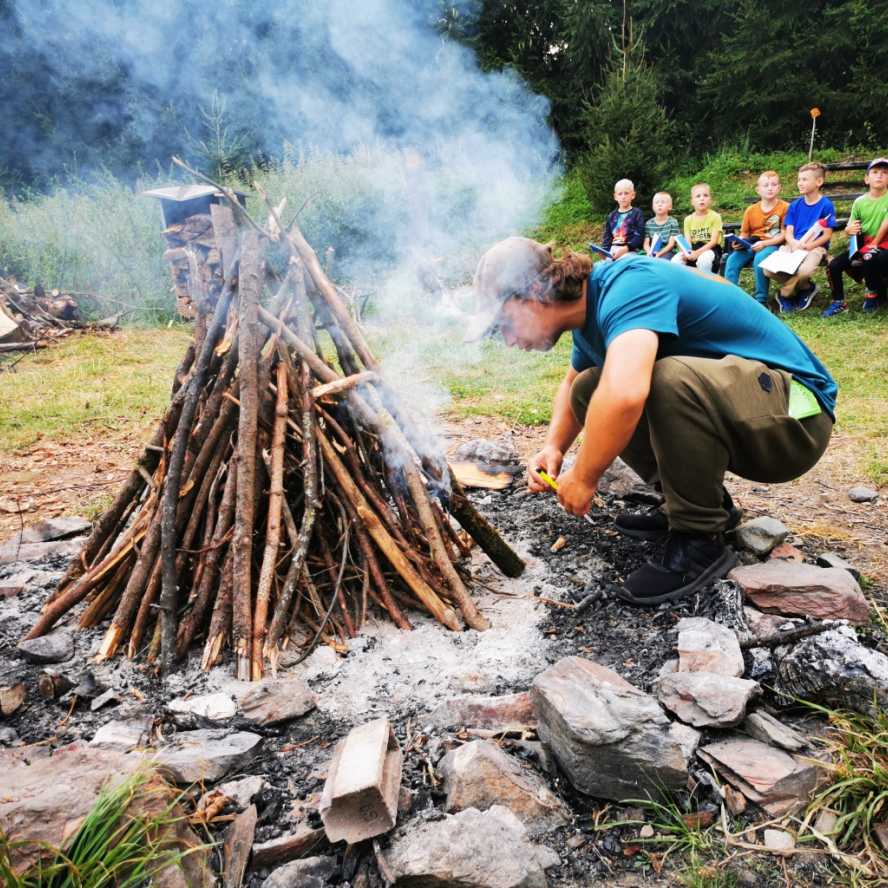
{"x":554,"y":485}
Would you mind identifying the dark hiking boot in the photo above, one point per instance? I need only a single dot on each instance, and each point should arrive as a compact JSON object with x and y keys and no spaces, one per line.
{"x":689,"y":561}
{"x":652,"y":524}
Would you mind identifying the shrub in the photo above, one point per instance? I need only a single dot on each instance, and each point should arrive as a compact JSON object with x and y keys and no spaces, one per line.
{"x":629,"y":133}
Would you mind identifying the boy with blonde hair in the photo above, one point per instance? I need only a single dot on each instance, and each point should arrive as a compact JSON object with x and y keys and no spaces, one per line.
{"x":624,"y":226}
{"x":662,"y":226}
{"x":809,"y":224}
{"x":762,"y":227}
{"x":868,"y":222}
{"x":703,"y":231}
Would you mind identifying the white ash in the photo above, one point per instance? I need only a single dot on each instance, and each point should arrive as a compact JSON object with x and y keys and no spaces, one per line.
{"x":397,"y":673}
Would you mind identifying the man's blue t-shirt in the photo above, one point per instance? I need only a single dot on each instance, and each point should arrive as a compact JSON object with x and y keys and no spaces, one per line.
{"x":802,"y":216}
{"x":695,"y":314}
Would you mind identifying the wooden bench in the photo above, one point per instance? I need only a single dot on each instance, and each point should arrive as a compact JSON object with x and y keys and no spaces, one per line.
{"x":828,"y":191}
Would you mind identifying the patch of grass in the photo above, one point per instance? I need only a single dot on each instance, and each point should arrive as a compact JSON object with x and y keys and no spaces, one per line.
{"x":568,"y":220}
{"x":90,"y":383}
{"x":858,"y":787}
{"x":494,"y":380}
{"x":113,"y":848}
{"x":676,"y":836}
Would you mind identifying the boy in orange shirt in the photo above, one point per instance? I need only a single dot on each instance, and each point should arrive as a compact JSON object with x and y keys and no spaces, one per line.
{"x":762,"y":227}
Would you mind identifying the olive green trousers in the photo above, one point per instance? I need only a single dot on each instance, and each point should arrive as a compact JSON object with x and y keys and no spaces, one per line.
{"x":706,"y":416}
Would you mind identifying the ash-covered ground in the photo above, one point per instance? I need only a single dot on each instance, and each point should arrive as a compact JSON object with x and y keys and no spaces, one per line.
{"x":406,"y":675}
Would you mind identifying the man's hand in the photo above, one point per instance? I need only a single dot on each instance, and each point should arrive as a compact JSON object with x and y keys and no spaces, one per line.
{"x":792,"y":243}
{"x":549,"y":459}
{"x":738,"y":246}
{"x":758,"y":246}
{"x":619,"y":250}
{"x":575,"y":493}
{"x":853,"y":227}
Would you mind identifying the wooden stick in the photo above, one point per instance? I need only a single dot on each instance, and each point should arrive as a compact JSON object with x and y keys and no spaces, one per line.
{"x":251,"y":273}
{"x":170,"y":502}
{"x":220,"y":622}
{"x":387,"y":545}
{"x":273,"y":529}
{"x":343,"y":384}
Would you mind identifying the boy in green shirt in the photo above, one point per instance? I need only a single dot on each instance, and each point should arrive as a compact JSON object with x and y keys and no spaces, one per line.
{"x":869,"y":224}
{"x":703,"y":230}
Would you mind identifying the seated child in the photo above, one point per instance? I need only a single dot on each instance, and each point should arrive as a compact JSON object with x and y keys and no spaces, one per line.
{"x":703,"y":230}
{"x":624,"y":227}
{"x":761,"y":226}
{"x":808,"y":225}
{"x":662,"y":225}
{"x":869,"y":222}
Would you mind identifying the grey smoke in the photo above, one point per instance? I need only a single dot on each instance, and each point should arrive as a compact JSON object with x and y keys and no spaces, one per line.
{"x":453,"y":157}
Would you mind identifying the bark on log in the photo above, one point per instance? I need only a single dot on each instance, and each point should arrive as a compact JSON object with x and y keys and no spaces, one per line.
{"x":250,"y":280}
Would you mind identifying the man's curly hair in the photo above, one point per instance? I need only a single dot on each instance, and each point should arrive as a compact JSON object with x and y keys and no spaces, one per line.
{"x":562,"y":280}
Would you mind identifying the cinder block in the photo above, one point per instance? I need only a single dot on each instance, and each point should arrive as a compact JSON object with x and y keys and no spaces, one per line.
{"x":360,"y":798}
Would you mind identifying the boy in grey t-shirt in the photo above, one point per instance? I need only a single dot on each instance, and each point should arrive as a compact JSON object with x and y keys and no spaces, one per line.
{"x":662,"y":225}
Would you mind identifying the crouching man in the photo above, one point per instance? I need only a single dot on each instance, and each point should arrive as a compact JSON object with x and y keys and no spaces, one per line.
{"x":678,"y":372}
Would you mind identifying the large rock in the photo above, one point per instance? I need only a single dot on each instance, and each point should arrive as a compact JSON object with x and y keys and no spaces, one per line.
{"x":33,"y":552}
{"x":706,"y":646}
{"x":312,"y":872}
{"x":202,"y":709}
{"x":618,"y":479}
{"x":55,"y":529}
{"x":44,"y":799}
{"x":761,"y":535}
{"x":705,"y":699}
{"x":787,"y":588}
{"x":763,"y":726}
{"x":56,"y":647}
{"x":774,"y":779}
{"x":508,"y":712}
{"x":610,"y":739}
{"x":208,"y":755}
{"x":274,"y":701}
{"x":480,"y":775}
{"x":472,"y":849}
{"x":124,"y":734}
{"x":836,"y":669}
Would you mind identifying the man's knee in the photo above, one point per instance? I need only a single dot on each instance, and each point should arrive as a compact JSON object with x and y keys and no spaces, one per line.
{"x":581,"y":392}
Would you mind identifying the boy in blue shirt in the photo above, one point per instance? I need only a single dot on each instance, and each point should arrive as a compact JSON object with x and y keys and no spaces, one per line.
{"x":672,"y":369}
{"x":808,"y":226}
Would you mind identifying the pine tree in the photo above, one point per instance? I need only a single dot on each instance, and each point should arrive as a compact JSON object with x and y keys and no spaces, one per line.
{"x":628,"y":132}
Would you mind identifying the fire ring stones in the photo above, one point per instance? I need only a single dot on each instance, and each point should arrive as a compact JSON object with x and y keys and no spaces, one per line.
{"x":705,"y":699}
{"x":480,"y":775}
{"x":787,"y":588}
{"x":774,"y":779}
{"x":53,"y":648}
{"x":207,"y":755}
{"x":761,"y":535}
{"x":706,"y":646}
{"x":484,"y":849}
{"x":610,"y":738}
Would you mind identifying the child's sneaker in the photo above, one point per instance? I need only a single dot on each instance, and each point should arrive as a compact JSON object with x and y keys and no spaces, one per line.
{"x":873,"y":302}
{"x":833,"y":309}
{"x":804,"y":298}
{"x":787,"y":305}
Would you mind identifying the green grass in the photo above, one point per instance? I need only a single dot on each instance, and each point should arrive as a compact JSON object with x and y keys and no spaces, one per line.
{"x":90,"y":384}
{"x":113,"y":848}
{"x":858,"y":787}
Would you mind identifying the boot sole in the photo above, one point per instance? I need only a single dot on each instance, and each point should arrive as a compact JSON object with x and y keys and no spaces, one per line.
{"x":715,"y":571}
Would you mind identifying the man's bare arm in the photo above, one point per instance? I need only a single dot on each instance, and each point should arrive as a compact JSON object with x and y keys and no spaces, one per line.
{"x":613,"y":414}
{"x":563,"y":430}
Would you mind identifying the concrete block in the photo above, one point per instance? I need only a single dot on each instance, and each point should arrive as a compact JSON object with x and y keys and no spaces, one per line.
{"x":360,"y":797}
